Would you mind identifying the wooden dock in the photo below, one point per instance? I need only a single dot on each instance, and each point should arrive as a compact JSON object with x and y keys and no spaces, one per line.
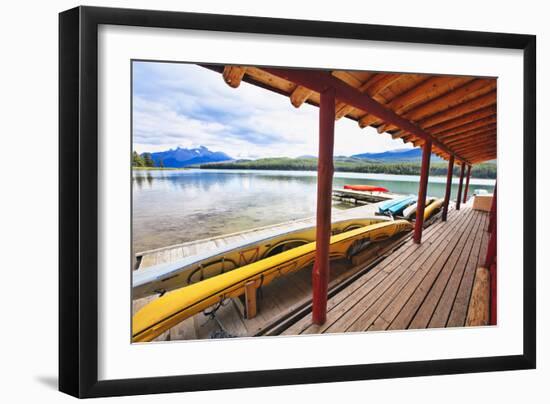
{"x":362,"y":197}
{"x":417,"y":286}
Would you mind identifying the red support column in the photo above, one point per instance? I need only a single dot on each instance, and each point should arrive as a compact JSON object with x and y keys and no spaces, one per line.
{"x":459,"y":194}
{"x":467,"y":184}
{"x":325,"y":171}
{"x":492,"y":214}
{"x":422,"y":189}
{"x":448,"y":188}
{"x":491,"y":260}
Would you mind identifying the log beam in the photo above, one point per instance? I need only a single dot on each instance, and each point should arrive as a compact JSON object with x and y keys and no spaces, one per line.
{"x":299,"y":96}
{"x":467,"y":92}
{"x":486,"y":100}
{"x":325,"y":171}
{"x":233,"y":75}
{"x":459,"y":193}
{"x":480,"y":123}
{"x":448,"y":188}
{"x":467,"y":184}
{"x":422,"y":191}
{"x":456,"y":122}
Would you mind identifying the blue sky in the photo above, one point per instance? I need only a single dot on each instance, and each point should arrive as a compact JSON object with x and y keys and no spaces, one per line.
{"x":176,"y":104}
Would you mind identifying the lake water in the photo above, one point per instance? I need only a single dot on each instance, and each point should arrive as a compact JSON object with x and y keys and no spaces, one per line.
{"x":174,"y":206}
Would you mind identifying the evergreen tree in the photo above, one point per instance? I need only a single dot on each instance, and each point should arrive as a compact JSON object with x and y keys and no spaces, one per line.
{"x":137,"y":161}
{"x":147,"y":160}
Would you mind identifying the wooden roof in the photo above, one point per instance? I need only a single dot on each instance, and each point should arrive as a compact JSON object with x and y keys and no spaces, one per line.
{"x":458,"y":112}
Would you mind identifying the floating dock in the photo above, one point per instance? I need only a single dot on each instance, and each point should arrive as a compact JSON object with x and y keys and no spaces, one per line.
{"x":362,"y":197}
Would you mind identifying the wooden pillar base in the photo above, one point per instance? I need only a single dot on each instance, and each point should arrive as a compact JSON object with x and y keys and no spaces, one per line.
{"x":251,"y":298}
{"x":479,"y":307}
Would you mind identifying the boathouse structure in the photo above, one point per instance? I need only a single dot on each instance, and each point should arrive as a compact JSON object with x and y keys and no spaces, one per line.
{"x":453,"y":117}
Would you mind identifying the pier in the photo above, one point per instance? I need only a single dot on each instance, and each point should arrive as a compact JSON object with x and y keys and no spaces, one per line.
{"x":361,"y":197}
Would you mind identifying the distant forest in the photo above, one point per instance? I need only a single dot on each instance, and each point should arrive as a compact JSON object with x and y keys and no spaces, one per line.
{"x":144,"y":160}
{"x":485,"y":170}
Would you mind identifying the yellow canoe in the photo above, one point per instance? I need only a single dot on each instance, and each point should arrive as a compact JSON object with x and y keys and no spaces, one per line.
{"x":432,"y":208}
{"x":178,"y":305}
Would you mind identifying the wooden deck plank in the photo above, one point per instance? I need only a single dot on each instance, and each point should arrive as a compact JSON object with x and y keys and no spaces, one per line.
{"x":422,"y":303}
{"x":406,"y":284}
{"x":356,"y":303}
{"x":441,"y":314}
{"x":375,"y":275}
{"x":484,"y":244}
{"x":416,"y":287}
{"x":457,"y":317}
{"x":428,"y":306}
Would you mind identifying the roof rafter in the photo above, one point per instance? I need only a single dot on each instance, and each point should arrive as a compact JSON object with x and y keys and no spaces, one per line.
{"x":322,"y":81}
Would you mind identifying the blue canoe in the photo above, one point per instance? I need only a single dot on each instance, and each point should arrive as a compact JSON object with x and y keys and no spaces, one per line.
{"x":396,"y":206}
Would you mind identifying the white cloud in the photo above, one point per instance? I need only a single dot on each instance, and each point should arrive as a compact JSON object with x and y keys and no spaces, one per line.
{"x":188,"y":105}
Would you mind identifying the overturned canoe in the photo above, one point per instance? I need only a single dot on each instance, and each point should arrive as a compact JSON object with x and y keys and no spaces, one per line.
{"x":396,"y":206}
{"x":410,"y":211}
{"x":161,"y":278}
{"x":433,"y":208}
{"x":178,"y":305}
{"x":369,"y":188}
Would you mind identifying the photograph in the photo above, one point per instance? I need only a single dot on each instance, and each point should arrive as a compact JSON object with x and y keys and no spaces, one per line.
{"x":267,"y":202}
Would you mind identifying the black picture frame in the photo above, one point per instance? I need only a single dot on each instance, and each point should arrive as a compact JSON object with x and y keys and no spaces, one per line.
{"x":78,"y":200}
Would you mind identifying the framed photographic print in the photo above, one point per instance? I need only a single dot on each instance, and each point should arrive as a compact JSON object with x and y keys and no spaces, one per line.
{"x":250,"y":201}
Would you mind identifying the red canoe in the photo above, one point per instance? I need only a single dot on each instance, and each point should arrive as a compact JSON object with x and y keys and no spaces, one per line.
{"x":370,"y":188}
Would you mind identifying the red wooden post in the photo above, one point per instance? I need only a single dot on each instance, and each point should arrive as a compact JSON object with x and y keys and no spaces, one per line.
{"x":491,"y":255}
{"x":448,"y":188}
{"x":492,"y":214}
{"x":325,"y":171}
{"x":491,"y":259}
{"x":467,"y":184}
{"x":493,"y":299}
{"x":459,"y":194}
{"x":422,"y":188}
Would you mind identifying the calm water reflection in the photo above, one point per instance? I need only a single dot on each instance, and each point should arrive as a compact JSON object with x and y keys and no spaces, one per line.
{"x":171,"y":207}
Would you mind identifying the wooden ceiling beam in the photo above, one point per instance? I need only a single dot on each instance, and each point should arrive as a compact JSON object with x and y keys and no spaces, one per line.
{"x":480,"y":135}
{"x":461,"y":139}
{"x":467,"y":92}
{"x":473,"y":141}
{"x":468,"y":133}
{"x":299,"y":96}
{"x":483,"y":153}
{"x":454,"y":122}
{"x":372,"y":87}
{"x":486,"y":144}
{"x":467,"y":127}
{"x":484,"y":157}
{"x":471,"y":117}
{"x":233,"y":75}
{"x":425,"y":90}
{"x":322,"y":81}
{"x":459,"y":110}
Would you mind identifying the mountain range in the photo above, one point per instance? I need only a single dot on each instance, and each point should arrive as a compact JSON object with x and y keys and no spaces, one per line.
{"x":398,"y":155}
{"x":180,"y":157}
